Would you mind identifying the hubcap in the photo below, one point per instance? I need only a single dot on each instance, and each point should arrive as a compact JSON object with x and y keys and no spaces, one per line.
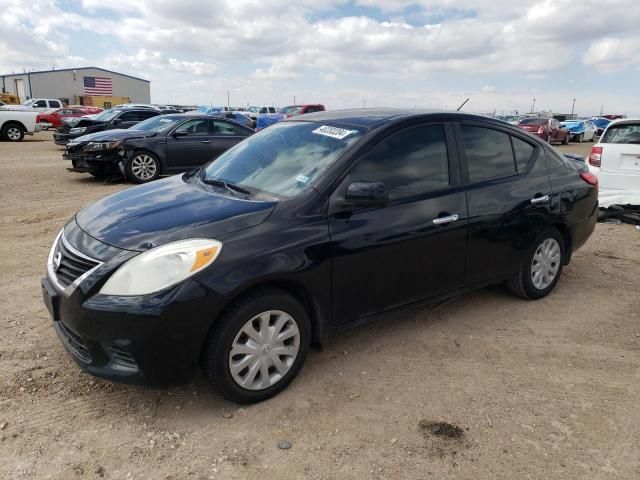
{"x":545,"y":264}
{"x":13,"y":133}
{"x":143,"y":167}
{"x":264,"y":350}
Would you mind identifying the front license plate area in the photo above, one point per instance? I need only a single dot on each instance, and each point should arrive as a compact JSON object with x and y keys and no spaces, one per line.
{"x":51,"y":300}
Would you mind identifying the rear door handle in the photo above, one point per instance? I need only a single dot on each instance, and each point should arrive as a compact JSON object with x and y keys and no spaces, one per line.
{"x":448,"y":219}
{"x":206,"y":141}
{"x":542,"y":199}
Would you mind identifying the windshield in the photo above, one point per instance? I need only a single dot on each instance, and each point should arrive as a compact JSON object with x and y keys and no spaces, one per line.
{"x":625,"y":133}
{"x":533,"y":121}
{"x":253,"y":109}
{"x":293,"y":110}
{"x":107,"y":115}
{"x":156,"y":124}
{"x":572,"y":123}
{"x":284,"y":159}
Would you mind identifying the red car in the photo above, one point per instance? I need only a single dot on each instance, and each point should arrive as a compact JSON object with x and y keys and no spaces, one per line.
{"x":90,"y":110}
{"x":548,"y":129}
{"x":55,"y":117}
{"x":294,"y":110}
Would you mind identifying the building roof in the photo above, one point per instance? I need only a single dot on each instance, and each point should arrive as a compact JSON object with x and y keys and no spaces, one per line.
{"x":70,"y":69}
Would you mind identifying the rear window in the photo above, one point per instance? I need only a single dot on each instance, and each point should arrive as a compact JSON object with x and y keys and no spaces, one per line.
{"x":533,"y":121}
{"x":625,"y":133}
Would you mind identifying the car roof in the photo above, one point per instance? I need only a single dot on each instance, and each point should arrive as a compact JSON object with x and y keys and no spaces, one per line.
{"x":622,"y":121}
{"x":376,"y":117}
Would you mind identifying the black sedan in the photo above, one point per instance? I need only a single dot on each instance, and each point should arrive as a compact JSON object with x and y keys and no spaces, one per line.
{"x":307,"y":227}
{"x":161,"y":145}
{"x":113,"y":118}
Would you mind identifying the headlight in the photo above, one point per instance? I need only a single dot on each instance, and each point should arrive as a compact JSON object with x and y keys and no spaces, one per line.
{"x":162,"y":267}
{"x":98,"y":146}
{"x":77,"y":130}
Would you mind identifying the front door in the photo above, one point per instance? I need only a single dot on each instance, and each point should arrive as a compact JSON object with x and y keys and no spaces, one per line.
{"x":411,"y":248}
{"x":508,"y":192}
{"x":190,"y":144}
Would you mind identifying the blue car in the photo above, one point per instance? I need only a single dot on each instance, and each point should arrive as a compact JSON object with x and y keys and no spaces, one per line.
{"x":581,"y":130}
{"x":237,"y":117}
{"x":601,"y":124}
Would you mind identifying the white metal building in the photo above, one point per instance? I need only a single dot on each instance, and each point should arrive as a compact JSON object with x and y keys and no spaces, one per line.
{"x":70,"y":83}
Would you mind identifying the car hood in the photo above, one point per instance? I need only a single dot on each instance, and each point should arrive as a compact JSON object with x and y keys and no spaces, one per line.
{"x":167,"y":210}
{"x":112,"y":135}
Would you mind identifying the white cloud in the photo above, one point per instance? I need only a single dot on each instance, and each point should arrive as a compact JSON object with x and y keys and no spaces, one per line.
{"x":191,"y":48}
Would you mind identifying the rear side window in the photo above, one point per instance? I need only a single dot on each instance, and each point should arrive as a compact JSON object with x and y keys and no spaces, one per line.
{"x":488,"y":153}
{"x":410,"y":162}
{"x":626,"y":133}
{"x":225,"y":129}
{"x":523,"y":152}
{"x":54,"y":104}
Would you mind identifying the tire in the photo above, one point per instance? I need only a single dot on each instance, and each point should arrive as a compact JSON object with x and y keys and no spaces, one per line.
{"x":565,"y":140}
{"x":549,"y":139}
{"x":142,"y":167}
{"x":228,"y":333}
{"x":581,"y":138}
{"x":12,"y":132}
{"x":522,"y":283}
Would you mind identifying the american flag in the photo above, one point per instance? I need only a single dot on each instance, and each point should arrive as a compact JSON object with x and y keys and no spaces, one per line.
{"x":98,"y":86}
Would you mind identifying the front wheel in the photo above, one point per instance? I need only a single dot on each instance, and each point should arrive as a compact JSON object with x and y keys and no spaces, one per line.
{"x":143,"y":167}
{"x":257,"y":347}
{"x":581,"y":138}
{"x":541,"y":267}
{"x":565,"y":141}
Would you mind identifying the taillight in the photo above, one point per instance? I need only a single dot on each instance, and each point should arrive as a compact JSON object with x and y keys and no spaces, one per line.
{"x":590,"y":178}
{"x":595,"y":157}
{"x":540,"y":129}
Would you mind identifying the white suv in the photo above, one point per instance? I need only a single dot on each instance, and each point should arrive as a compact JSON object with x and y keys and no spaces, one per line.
{"x":43,"y":104}
{"x":615,"y":160}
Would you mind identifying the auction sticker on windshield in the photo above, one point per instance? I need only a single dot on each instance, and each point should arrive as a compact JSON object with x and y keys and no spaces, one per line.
{"x":333,"y":132}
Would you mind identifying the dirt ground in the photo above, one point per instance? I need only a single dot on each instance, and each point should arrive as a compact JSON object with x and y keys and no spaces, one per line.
{"x":527,"y":390}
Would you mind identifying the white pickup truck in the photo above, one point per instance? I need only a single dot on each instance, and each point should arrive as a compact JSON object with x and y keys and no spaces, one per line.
{"x":15,"y":124}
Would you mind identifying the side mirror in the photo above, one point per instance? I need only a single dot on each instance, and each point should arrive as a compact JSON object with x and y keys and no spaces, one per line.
{"x":180,"y":133}
{"x":365,"y":193}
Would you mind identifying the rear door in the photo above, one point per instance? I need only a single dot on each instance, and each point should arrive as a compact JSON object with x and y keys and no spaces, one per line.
{"x":620,"y":161}
{"x":393,"y":255}
{"x":508,"y":192}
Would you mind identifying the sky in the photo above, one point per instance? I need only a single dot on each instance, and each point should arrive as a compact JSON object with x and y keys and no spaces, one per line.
{"x":345,"y":53}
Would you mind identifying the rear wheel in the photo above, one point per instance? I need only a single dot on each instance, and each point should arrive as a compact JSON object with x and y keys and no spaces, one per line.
{"x":541,"y":267}
{"x":143,"y":167}
{"x":257,"y":346}
{"x":12,"y":132}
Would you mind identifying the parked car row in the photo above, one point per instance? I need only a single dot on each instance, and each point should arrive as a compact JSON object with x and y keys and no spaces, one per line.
{"x":160,"y":145}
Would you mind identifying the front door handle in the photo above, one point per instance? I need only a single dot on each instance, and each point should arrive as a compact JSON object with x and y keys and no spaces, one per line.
{"x":447,"y":219}
{"x":206,"y":141}
{"x":542,"y":199}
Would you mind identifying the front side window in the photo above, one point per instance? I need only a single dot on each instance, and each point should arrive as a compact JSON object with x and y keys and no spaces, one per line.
{"x":129,"y":117}
{"x":40,"y":103}
{"x":285,"y":159}
{"x":488,"y":153}
{"x":411,"y":162}
{"x":195,"y":128}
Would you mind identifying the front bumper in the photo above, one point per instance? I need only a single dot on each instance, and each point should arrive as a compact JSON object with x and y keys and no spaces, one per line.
{"x":152,"y":340}
{"x":63,"y":138}
{"x":102,"y":162}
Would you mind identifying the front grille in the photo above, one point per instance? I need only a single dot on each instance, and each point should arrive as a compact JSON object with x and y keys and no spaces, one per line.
{"x":122,"y":357}
{"x":74,"y":342}
{"x":69,"y":264}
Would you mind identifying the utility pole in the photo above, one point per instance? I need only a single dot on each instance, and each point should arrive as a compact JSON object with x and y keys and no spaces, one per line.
{"x":364,"y":103}
{"x":294,"y":99}
{"x":601,"y":109}
{"x":228,"y":102}
{"x":533,"y":105}
{"x":573,"y":106}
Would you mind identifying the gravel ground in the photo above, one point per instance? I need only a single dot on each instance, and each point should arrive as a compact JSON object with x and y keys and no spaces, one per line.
{"x":484,"y":386}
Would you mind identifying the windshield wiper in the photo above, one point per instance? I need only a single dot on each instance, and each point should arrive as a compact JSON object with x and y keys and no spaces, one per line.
{"x":229,"y":186}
